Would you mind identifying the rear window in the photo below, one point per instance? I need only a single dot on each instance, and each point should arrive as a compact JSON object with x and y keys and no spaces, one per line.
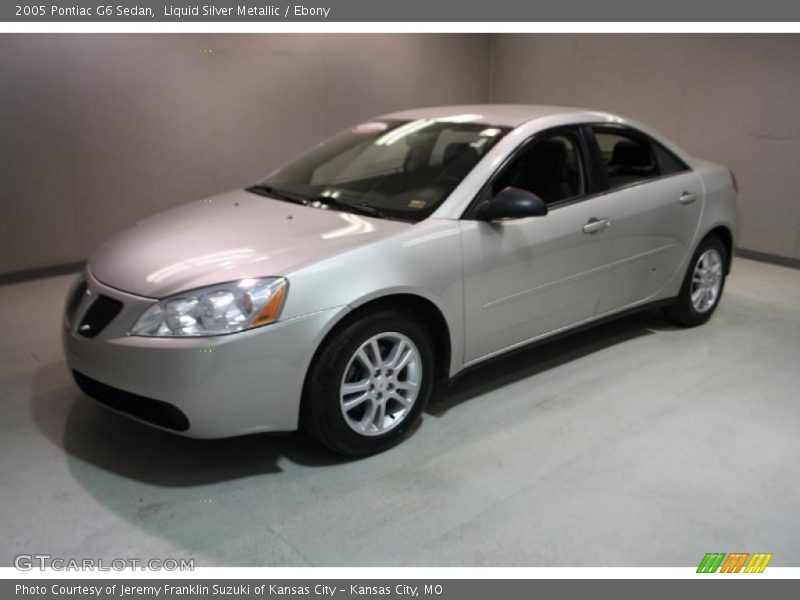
{"x":630,"y":157}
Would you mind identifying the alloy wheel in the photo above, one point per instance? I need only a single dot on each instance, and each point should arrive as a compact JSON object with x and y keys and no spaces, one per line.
{"x":381,"y":383}
{"x":706,"y":280}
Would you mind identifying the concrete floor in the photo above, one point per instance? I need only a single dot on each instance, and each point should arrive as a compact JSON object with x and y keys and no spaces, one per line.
{"x":634,"y":444}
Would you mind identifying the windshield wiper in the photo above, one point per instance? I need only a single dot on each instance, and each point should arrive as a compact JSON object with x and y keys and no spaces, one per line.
{"x":357,"y":207}
{"x":268,"y":190}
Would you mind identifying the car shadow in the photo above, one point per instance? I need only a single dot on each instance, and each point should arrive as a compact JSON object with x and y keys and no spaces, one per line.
{"x":97,"y":436}
{"x":535,"y":359}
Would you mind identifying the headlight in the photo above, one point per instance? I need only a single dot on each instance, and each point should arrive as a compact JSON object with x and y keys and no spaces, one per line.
{"x":215,"y":310}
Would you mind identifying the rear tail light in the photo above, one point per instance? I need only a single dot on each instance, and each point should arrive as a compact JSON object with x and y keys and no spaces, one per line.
{"x":735,"y":184}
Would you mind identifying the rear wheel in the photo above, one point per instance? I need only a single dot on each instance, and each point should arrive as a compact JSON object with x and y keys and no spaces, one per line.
{"x":369,"y":383}
{"x":702,"y":285}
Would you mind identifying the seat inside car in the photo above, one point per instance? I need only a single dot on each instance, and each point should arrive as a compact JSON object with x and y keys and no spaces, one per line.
{"x":453,"y":150}
{"x":545,"y":171}
{"x":630,"y":161}
{"x":458,"y":159}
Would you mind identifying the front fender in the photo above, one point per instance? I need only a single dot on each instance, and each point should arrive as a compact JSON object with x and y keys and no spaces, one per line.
{"x":424,"y":261}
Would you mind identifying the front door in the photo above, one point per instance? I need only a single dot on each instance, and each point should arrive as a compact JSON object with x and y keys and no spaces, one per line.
{"x":529,"y":277}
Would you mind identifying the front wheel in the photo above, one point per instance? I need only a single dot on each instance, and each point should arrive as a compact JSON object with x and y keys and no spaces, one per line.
{"x":702,"y":286}
{"x":369,"y":383}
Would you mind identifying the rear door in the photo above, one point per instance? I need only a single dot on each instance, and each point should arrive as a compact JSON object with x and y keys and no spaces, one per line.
{"x":655,"y":206}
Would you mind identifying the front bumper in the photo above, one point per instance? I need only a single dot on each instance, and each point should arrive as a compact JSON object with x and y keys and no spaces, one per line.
{"x":218,"y":386}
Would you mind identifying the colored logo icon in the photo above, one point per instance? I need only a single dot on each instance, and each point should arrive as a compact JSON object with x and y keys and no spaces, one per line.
{"x":735,"y":562}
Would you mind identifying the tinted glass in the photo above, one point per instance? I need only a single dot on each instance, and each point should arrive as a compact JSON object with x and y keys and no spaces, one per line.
{"x":404,"y":169}
{"x":627,"y":159}
{"x":549,"y":167}
{"x":668,"y":163}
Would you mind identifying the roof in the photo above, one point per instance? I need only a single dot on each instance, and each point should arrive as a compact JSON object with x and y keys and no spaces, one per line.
{"x":509,"y":115}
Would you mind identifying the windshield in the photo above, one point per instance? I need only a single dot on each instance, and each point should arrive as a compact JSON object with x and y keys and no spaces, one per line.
{"x":386,"y":168}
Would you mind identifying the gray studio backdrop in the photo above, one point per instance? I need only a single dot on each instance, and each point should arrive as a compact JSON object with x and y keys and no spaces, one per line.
{"x":97,"y":131}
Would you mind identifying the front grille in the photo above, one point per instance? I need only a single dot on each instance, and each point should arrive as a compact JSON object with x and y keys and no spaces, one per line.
{"x":100,"y":313}
{"x":153,"y":411}
{"x":75,"y":299}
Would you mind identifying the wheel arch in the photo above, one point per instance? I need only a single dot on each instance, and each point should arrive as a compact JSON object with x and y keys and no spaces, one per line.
{"x":725,"y":235}
{"x":429,"y":314}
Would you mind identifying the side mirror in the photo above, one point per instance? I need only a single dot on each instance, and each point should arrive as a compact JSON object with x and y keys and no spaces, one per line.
{"x":512,"y":203}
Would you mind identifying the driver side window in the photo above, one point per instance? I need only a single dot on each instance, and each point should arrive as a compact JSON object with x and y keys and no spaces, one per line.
{"x":549,"y":166}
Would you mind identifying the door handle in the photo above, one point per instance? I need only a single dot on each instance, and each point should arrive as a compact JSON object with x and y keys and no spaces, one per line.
{"x":687,"y":197}
{"x":594,"y":225}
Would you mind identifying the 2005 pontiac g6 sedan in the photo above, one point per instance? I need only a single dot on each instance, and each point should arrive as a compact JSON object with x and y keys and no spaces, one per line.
{"x":339,"y":293}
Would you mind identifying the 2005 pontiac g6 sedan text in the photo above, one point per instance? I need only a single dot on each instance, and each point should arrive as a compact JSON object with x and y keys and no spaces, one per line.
{"x":340,"y":292}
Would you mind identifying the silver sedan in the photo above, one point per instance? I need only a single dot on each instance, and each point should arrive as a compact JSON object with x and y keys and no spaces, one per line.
{"x":347,"y":287}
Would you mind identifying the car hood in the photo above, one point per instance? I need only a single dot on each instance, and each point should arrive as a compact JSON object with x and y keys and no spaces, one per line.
{"x":227,"y":237}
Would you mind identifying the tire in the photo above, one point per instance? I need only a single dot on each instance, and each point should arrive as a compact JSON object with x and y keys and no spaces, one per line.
{"x":342,"y":418}
{"x":688,"y":312}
